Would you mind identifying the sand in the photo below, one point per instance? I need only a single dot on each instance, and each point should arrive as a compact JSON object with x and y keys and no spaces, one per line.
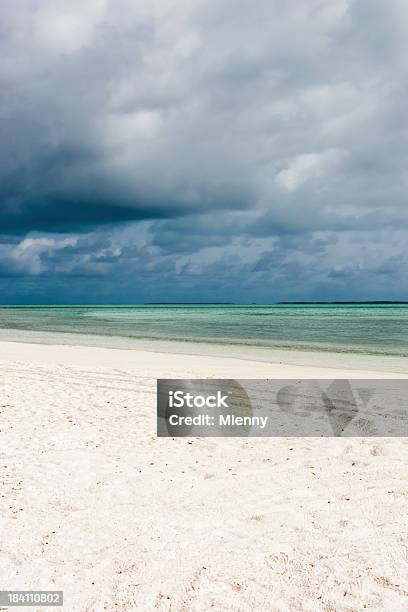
{"x":93,"y":503}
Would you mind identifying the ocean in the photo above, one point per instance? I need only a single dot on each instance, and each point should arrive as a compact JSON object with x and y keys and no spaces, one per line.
{"x":366,"y":329}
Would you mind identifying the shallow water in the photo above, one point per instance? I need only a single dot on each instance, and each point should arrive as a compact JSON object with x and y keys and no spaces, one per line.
{"x":359,"y":328}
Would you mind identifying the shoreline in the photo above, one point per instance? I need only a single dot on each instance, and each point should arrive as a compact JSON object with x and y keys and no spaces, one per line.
{"x":156,"y":363}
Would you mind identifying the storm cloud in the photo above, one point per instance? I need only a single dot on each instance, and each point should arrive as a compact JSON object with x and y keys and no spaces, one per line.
{"x":165,"y":148}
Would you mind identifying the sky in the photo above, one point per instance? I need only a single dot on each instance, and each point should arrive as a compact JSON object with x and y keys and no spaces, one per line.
{"x":215,"y":150}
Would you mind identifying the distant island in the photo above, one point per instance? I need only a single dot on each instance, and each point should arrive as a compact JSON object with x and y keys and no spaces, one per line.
{"x":272,"y":303}
{"x":362,"y":302}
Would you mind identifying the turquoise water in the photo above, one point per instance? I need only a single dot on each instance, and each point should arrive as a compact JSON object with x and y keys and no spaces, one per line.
{"x":370,"y":329}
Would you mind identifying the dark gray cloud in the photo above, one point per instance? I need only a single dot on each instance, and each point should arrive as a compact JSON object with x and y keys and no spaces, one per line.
{"x":206,"y":146}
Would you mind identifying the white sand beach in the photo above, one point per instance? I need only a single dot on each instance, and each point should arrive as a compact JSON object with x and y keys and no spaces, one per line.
{"x":94,"y":504}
